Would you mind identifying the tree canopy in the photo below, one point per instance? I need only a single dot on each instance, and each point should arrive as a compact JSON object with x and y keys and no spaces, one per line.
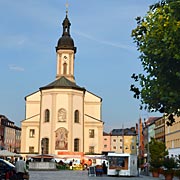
{"x":157,"y":150}
{"x":157,"y":37}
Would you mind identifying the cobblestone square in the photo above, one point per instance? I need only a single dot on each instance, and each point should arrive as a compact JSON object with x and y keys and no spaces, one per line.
{"x":79,"y":175}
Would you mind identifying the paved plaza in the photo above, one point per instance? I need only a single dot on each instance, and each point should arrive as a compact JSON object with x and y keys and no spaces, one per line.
{"x":79,"y":175}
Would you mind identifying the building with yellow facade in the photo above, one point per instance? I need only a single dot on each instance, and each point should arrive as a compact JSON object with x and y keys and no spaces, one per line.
{"x":172,"y":137}
{"x":123,"y":140}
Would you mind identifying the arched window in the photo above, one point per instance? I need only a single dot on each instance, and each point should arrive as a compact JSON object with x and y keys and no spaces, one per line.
{"x":62,"y":115}
{"x":47,"y":115}
{"x":76,"y":145}
{"x":65,"y":68}
{"x":76,"y":116}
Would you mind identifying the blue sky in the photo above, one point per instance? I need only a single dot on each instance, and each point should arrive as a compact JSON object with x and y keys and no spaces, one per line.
{"x":105,"y":60}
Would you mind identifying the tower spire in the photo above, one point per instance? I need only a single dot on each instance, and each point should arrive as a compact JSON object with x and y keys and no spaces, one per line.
{"x":65,"y":51}
{"x":67,"y":5}
{"x":66,"y":42}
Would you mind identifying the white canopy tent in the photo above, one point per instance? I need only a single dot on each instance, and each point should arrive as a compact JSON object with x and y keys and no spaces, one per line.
{"x":6,"y":153}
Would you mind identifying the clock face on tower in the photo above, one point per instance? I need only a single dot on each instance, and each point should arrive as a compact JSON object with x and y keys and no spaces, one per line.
{"x":65,"y":58}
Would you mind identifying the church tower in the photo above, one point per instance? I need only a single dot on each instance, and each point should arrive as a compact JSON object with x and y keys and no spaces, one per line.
{"x":65,"y":51}
{"x":63,"y":118}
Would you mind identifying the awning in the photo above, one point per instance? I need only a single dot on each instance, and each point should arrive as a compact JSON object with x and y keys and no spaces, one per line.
{"x":6,"y":153}
{"x":94,"y":157}
{"x":43,"y":156}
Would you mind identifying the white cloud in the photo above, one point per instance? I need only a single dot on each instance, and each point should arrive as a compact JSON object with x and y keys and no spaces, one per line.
{"x":119,"y":45}
{"x":21,"y":41}
{"x":12,"y":41}
{"x":16,"y":68}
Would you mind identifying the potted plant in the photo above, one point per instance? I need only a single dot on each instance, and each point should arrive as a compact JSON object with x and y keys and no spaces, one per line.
{"x":155,"y":167}
{"x":157,"y":151}
{"x":177,"y":173}
{"x":169,"y":168}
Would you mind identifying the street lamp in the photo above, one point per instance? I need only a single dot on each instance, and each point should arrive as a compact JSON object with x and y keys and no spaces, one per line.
{"x":42,"y":149}
{"x":147,"y":150}
{"x":137,"y":149}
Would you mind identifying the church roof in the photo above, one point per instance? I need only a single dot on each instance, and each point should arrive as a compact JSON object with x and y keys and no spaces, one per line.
{"x":125,"y":132}
{"x":62,"y":82}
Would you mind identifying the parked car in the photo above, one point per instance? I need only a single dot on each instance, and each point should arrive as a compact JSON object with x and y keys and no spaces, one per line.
{"x":7,"y":170}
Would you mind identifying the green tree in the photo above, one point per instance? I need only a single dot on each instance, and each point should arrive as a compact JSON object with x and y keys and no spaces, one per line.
{"x":157,"y":37}
{"x":157,"y":151}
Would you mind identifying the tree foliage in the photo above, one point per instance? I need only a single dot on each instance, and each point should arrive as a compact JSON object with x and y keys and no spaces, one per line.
{"x":157,"y":37}
{"x":157,"y":151}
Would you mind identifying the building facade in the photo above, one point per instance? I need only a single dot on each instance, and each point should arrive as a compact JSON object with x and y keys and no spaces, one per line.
{"x":10,"y":135}
{"x":151,"y":129}
{"x":172,"y":137}
{"x":62,"y":117}
{"x":123,"y":140}
{"x":106,"y":142}
{"x":160,"y":129}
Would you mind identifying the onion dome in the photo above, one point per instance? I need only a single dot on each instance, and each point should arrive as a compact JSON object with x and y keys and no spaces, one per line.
{"x":66,"y":42}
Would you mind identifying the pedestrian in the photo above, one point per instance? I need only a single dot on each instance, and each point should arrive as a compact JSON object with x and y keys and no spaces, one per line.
{"x":71,"y":165}
{"x":104,"y":167}
{"x":20,"y":167}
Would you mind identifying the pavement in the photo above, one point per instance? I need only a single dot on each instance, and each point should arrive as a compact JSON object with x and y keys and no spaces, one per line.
{"x":81,"y":175}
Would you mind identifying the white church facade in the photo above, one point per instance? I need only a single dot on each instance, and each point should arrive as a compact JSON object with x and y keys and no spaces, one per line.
{"x":62,"y":117}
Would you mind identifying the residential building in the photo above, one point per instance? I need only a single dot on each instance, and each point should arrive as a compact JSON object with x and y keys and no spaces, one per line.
{"x":150,"y":132}
{"x":17,"y":139}
{"x":63,"y":118}
{"x":106,"y":142}
{"x":123,"y":140}
{"x":160,"y":129}
{"x":172,"y":137}
{"x":9,"y":135}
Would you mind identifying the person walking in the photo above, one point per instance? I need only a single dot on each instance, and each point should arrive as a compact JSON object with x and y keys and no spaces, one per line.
{"x":104,"y":167}
{"x":20,"y":167}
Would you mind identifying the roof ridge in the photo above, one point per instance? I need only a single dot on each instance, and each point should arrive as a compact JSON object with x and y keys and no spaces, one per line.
{"x":62,"y":82}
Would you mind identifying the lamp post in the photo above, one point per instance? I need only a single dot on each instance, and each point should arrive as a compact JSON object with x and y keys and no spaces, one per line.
{"x":42,"y":149}
{"x":147,"y":150}
{"x":10,"y":147}
{"x":138,"y":147}
{"x":137,"y":150}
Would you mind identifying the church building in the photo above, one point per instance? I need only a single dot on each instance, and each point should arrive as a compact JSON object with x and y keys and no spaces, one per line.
{"x":62,"y":117}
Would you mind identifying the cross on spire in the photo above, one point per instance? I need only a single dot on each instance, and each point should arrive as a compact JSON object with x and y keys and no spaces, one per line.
{"x":67,"y":5}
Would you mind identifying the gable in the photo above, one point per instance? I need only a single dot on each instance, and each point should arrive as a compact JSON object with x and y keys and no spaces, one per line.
{"x":90,"y":97}
{"x":33,"y":97}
